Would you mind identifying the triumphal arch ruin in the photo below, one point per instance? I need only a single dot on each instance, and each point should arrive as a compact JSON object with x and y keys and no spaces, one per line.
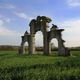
{"x":41,"y":24}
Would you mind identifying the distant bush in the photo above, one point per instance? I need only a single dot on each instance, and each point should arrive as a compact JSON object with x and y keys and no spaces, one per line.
{"x":16,"y":48}
{"x":9,"y":48}
{"x":75,"y":48}
{"x":41,"y":49}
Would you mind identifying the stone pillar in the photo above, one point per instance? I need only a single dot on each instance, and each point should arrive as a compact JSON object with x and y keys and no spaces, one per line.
{"x":32,"y":37}
{"x":60,"y":47}
{"x":44,"y":28}
{"x":49,"y":47}
{"x":45,"y":42}
{"x":22,"y":49}
{"x":62,"y":51}
{"x":32,"y":44}
{"x":45,"y":38}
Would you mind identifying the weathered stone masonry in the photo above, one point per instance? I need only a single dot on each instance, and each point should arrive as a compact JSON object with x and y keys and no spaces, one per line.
{"x":41,"y":24}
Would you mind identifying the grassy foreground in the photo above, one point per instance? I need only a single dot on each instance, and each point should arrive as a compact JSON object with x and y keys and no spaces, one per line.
{"x":39,"y":67}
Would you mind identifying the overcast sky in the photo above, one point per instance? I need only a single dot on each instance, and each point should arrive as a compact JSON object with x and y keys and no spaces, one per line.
{"x":15,"y":16}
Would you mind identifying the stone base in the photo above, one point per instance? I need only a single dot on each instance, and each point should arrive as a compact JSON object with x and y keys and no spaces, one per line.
{"x":64,"y":52}
{"x":21,"y":51}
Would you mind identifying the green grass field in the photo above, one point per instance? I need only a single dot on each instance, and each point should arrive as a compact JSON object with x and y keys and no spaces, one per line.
{"x":39,"y":67}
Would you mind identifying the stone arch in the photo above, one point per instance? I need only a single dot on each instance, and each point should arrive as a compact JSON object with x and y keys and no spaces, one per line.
{"x":60,"y":44}
{"x":41,"y":24}
{"x":49,"y":44}
{"x":25,"y":38}
{"x":55,"y":32}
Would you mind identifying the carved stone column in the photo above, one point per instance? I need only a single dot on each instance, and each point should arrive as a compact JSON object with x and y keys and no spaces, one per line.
{"x":49,"y":47}
{"x":62,"y":51}
{"x":45,"y":41}
{"x":32,"y":44}
{"x":22,"y":47}
{"x":32,"y":37}
{"x":61,"y":48}
{"x":46,"y":45}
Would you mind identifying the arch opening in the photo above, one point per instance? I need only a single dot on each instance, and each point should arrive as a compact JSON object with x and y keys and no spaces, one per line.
{"x":26,"y":46}
{"x":39,"y":42}
{"x":54,"y":46}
